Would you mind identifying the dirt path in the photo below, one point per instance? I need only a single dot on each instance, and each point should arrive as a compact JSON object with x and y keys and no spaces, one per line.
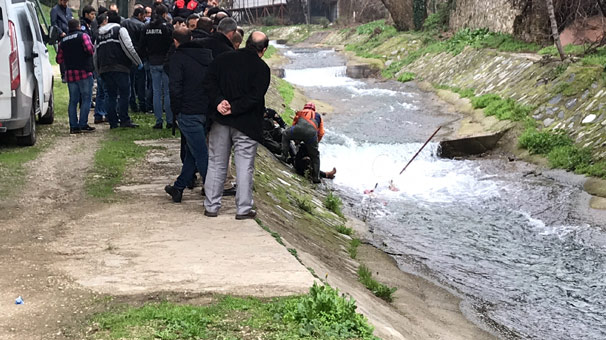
{"x":61,"y":250}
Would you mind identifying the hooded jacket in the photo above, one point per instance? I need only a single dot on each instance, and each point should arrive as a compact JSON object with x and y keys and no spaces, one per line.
{"x":188,"y":67}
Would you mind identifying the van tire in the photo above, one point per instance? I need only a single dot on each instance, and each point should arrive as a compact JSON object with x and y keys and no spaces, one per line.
{"x":49,"y":116}
{"x":30,"y":139}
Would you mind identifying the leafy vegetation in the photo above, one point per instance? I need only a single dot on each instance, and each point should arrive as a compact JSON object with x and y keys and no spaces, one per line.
{"x":352,"y":249}
{"x":406,"y":77}
{"x":463,"y":93}
{"x":273,"y":234}
{"x":333,"y":203}
{"x":378,"y":289}
{"x":503,"y":109}
{"x":323,"y":313}
{"x":304,"y":203}
{"x":344,"y":230}
{"x":118,"y":150}
{"x":287,"y":92}
{"x":271,"y":50}
{"x":542,"y":142}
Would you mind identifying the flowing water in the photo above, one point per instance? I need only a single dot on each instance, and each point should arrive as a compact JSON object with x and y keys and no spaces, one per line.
{"x":520,"y":247}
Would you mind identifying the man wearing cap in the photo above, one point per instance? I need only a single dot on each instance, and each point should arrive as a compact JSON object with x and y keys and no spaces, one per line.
{"x":308,"y":127}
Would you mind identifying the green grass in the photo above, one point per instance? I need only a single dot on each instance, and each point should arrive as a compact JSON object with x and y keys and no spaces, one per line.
{"x":344,"y":230}
{"x":323,"y":313}
{"x":503,"y":109}
{"x":542,"y":142}
{"x":378,"y":289}
{"x":304,"y":203}
{"x":287,"y":92}
{"x":273,"y":234}
{"x":406,"y":77}
{"x":568,"y":49}
{"x":333,"y":203}
{"x":463,"y":93}
{"x":271,"y":50}
{"x":352,"y":249}
{"x":117,"y":151}
{"x":13,"y":158}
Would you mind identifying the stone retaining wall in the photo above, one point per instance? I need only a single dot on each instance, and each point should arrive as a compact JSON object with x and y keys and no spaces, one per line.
{"x":569,"y":97}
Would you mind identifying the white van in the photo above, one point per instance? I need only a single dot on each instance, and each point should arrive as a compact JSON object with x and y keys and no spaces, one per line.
{"x":26,"y":76}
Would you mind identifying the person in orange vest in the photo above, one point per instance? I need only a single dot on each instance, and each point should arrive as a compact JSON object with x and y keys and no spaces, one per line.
{"x":307,"y":127}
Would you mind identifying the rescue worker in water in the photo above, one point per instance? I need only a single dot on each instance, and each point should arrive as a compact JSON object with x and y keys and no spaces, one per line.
{"x":307,"y":127}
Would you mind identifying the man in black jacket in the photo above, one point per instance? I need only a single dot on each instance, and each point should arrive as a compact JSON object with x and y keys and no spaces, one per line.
{"x":135,"y":25}
{"x":88,"y":24}
{"x":203,"y":28}
{"x":155,"y":43}
{"x":236,"y":85}
{"x":220,"y":42}
{"x":188,"y":66}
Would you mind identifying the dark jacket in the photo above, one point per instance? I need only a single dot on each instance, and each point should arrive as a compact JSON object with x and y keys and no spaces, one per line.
{"x":114,"y":52}
{"x":188,"y":67}
{"x":241,"y":78}
{"x":134,"y":27}
{"x":156,"y":38}
{"x":199,"y":33}
{"x":218,"y":43}
{"x":185,"y":8}
{"x":60,"y":16}
{"x":86,"y":27}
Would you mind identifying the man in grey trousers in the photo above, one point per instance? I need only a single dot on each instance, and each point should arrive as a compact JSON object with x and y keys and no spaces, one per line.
{"x":236,"y":84}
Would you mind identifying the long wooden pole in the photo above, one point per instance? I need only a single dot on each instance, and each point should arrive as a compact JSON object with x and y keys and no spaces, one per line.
{"x":421,"y":149}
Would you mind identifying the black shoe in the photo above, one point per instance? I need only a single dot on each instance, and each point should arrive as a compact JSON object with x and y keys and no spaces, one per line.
{"x":229,"y":192}
{"x":87,"y":128}
{"x":113,"y":126}
{"x":74,"y":131}
{"x":210,"y":214}
{"x":316,"y":180}
{"x":158,"y":126}
{"x":251,"y":214}
{"x":129,"y":125}
{"x":175,"y":193}
{"x":169,"y":126}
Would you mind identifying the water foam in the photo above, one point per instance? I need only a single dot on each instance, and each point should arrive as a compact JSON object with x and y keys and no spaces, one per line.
{"x":362,"y":165}
{"x":320,"y":77}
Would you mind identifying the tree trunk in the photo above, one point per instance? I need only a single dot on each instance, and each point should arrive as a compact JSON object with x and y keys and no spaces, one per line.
{"x":602,"y":4}
{"x":401,"y":13}
{"x":554,"y":29}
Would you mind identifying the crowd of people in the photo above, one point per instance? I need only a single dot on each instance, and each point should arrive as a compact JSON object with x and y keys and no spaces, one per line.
{"x":182,"y":61}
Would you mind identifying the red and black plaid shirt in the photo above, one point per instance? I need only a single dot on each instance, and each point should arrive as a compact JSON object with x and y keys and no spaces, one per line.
{"x":77,"y":75}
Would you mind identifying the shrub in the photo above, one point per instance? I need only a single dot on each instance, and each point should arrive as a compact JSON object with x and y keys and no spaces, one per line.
{"x":439,"y":20}
{"x":304,"y":202}
{"x":375,"y":26}
{"x":406,"y":77}
{"x":333,"y":203}
{"x":345,"y":230}
{"x":378,"y":289}
{"x":269,"y":21}
{"x":569,"y":157}
{"x":353,"y":248}
{"x":327,"y":314}
{"x":484,"y":100}
{"x":507,"y":109}
{"x":542,"y":142}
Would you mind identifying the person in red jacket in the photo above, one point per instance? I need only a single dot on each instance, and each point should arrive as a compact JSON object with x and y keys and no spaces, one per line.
{"x":307,"y":127}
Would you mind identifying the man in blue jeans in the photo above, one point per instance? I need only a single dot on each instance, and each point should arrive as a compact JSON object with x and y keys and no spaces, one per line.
{"x":155,"y":42}
{"x":187,"y":69}
{"x":76,"y":54}
{"x":114,"y":56}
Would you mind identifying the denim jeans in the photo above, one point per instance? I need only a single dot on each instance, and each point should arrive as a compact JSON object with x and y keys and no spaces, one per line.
{"x":117,"y":84}
{"x":80,"y":90}
{"x":160,"y":88}
{"x":137,"y":89}
{"x":101,"y":97}
{"x":149,"y":92}
{"x":196,"y":153}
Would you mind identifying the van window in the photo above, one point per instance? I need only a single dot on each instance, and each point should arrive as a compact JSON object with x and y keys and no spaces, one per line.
{"x":26,"y":32}
{"x":1,"y":23}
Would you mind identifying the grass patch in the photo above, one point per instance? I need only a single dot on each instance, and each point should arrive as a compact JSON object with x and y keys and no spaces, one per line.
{"x":406,"y":77}
{"x":118,"y":150}
{"x":352,"y":249}
{"x":304,"y":203}
{"x":271,"y":50}
{"x":542,"y":142}
{"x":503,"y":109}
{"x":13,"y":158}
{"x":344,"y":230}
{"x":323,"y":313}
{"x":287,"y":92}
{"x":334,"y":203}
{"x":378,"y":289}
{"x":273,"y":234}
